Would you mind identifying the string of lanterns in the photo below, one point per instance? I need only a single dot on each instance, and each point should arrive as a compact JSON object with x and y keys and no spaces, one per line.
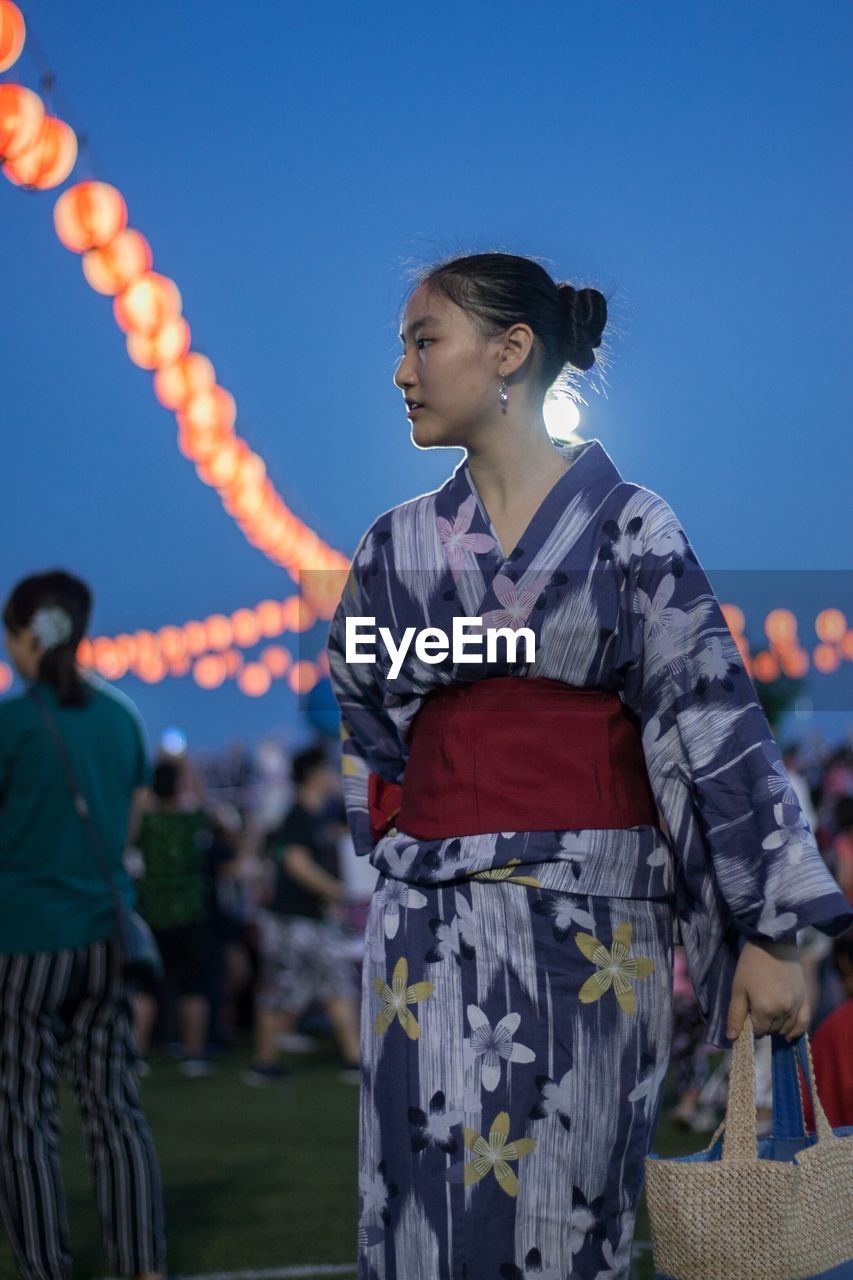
{"x":785,"y":654}
{"x":38,"y":152}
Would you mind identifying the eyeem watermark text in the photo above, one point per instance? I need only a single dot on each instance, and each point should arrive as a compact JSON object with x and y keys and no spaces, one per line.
{"x":431,"y":644}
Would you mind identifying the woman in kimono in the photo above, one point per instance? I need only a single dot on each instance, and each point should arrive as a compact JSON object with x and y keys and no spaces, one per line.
{"x":545,"y":825}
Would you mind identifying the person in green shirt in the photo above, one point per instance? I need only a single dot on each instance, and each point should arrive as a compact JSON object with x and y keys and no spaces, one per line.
{"x":174,"y":897}
{"x":63,"y":1000}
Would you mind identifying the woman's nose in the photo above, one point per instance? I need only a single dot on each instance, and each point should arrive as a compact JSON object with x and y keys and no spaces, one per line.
{"x":402,"y":375}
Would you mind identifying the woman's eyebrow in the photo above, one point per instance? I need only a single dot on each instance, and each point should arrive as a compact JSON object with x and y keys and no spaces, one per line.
{"x":416,"y":324}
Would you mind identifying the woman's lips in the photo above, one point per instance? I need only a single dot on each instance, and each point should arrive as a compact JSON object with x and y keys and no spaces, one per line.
{"x":410,"y":413}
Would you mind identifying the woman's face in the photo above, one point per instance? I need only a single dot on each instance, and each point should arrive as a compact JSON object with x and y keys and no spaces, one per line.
{"x":450,"y":369}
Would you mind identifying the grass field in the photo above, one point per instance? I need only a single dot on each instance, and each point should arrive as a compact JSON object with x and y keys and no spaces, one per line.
{"x":254,"y":1179}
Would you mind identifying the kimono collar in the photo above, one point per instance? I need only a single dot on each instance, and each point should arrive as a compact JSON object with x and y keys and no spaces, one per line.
{"x":592,"y":471}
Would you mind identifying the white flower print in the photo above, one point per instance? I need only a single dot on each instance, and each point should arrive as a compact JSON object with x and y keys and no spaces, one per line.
{"x":647,"y":1089}
{"x":777,"y":783}
{"x":771,"y":924}
{"x":456,"y":538}
{"x":494,"y":1043}
{"x":793,"y":834}
{"x":374,"y":1192}
{"x":398,"y":861}
{"x":619,"y":1259}
{"x":554,"y":1099}
{"x":517,"y":601}
{"x":394,"y":895}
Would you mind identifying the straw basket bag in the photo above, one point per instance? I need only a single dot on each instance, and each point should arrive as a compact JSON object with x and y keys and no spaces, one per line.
{"x":779,"y":1208}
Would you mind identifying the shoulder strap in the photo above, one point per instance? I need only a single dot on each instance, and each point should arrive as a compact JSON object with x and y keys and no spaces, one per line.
{"x":78,"y":799}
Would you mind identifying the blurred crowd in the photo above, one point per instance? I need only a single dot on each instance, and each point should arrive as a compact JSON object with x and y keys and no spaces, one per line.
{"x":247,"y":875}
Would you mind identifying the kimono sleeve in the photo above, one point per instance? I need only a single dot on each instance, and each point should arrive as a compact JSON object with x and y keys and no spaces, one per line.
{"x":746,"y":862}
{"x":370,"y":741}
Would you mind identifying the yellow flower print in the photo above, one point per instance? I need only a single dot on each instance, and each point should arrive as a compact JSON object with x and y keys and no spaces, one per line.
{"x":505,"y":873}
{"x":396,"y":998}
{"x":613,"y":968}
{"x":492,"y":1156}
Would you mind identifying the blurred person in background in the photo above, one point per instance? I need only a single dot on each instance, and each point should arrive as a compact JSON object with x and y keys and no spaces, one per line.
{"x":64,"y":1004}
{"x":832,"y":1047}
{"x":174,"y":897}
{"x":302,"y":959}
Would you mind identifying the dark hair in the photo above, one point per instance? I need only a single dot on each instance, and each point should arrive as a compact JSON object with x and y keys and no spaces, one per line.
{"x":164,"y":784}
{"x":305,"y":762}
{"x":58,"y":665}
{"x":842,"y":812}
{"x":842,"y":954}
{"x":501,"y":289}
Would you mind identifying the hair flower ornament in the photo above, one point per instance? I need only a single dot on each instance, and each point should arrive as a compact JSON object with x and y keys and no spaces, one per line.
{"x":52,"y":626}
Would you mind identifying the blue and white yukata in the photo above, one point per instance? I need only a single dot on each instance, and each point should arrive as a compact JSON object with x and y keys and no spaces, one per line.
{"x":517,"y":992}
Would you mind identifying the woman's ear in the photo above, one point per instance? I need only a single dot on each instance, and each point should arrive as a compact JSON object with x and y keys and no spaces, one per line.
{"x":517,"y":345}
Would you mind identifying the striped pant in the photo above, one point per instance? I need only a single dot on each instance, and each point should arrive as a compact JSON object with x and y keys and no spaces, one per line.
{"x":71,"y":1008}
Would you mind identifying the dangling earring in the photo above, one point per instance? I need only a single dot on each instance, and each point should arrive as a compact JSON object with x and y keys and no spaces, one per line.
{"x":503,"y":395}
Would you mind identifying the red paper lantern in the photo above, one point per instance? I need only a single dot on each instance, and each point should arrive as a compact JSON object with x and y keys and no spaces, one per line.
{"x":21,"y":119}
{"x":210,"y":410}
{"x":111,"y":268}
{"x":826,"y":658}
{"x":254,"y":680}
{"x":13,"y":32}
{"x":48,"y":161}
{"x":173,"y":387}
{"x":89,"y":215}
{"x":210,"y":671}
{"x":162,"y":348}
{"x":830,"y":625}
{"x":147,"y":303}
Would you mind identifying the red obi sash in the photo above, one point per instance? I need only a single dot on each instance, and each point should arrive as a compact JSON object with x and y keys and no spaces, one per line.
{"x":513,"y":753}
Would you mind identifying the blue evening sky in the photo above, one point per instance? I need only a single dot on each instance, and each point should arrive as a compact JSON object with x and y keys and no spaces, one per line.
{"x":288,"y":162}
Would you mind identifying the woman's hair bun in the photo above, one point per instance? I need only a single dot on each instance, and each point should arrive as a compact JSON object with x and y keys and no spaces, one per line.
{"x":586,"y":315}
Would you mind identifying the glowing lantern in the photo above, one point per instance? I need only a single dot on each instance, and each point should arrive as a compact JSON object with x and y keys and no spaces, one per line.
{"x":826,"y":658}
{"x":847,"y":643}
{"x":126,"y":646}
{"x":233,"y":659}
{"x":780,"y":627}
{"x":734,"y":618}
{"x":245,"y":502}
{"x":209,"y":410}
{"x":270,"y":621}
{"x":179,"y":666}
{"x":12,"y":34}
{"x":302,"y":676}
{"x":276,"y":659}
{"x":220,"y":469}
{"x":254,"y":679}
{"x":21,"y":119}
{"x":151,"y":670}
{"x":5,"y":677}
{"x":830,"y":625}
{"x":195,"y":634}
{"x":765,"y":666}
{"x":110,"y":269}
{"x":85,"y":654}
{"x":162,"y":348}
{"x":173,"y":643}
{"x":174,"y":387}
{"x":209,"y":672}
{"x":89,"y":215}
{"x":219,"y":634}
{"x":201,"y":446}
{"x":795,"y":663}
{"x":147,"y":303}
{"x":48,"y":161}
{"x":245,"y":628}
{"x":147,"y":648}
